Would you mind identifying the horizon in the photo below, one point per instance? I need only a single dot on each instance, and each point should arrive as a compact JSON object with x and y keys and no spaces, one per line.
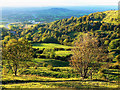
{"x":70,"y":7}
{"x":93,"y":8}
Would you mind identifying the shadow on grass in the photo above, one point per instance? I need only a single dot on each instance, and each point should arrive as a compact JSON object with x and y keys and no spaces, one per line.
{"x":56,"y":63}
{"x":28,"y":81}
{"x":37,"y":44}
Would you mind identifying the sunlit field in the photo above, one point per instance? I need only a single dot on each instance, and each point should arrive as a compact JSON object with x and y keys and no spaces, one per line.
{"x":49,"y":45}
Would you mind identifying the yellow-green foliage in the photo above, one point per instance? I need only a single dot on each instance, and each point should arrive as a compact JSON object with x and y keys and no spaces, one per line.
{"x":111,"y":17}
{"x":29,"y":85}
{"x":66,"y":83}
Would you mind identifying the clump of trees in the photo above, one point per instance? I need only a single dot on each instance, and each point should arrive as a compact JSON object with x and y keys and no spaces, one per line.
{"x":87,"y":54}
{"x":17,"y":52}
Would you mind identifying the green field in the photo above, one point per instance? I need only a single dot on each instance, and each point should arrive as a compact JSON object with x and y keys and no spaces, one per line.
{"x":54,"y":73}
{"x":49,"y":45}
{"x":1,"y":26}
{"x":53,"y":77}
{"x":53,"y":62}
{"x":63,"y":53}
{"x":34,"y":81}
{"x":51,"y":73}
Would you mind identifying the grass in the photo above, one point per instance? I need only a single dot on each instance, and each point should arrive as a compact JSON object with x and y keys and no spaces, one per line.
{"x":33,"y":81}
{"x":53,"y":62}
{"x":44,"y":77}
{"x":70,"y":84}
{"x":28,"y":85}
{"x":10,"y":77}
{"x":1,"y":26}
{"x":50,"y":72}
{"x":49,"y":45}
{"x":63,"y":53}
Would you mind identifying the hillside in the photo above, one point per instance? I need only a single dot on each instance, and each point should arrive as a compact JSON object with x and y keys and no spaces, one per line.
{"x":53,"y":43}
{"x":66,"y":31}
{"x":111,"y":17}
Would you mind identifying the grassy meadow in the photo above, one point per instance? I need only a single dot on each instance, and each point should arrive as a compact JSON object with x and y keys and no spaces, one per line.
{"x":63,"y":53}
{"x":33,"y":81}
{"x":52,"y":73}
{"x":49,"y":45}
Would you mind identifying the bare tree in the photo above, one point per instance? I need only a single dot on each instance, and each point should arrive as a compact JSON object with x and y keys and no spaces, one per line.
{"x":86,"y":55}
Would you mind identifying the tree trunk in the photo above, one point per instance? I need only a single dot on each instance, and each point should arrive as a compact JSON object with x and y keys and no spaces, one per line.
{"x":15,"y":70}
{"x":91,"y":74}
{"x":85,"y":73}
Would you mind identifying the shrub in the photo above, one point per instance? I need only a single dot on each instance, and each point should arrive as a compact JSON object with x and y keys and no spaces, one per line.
{"x":114,"y":44}
{"x":35,"y":67}
{"x":55,"y":69}
{"x":106,"y":42}
{"x":50,"y":67}
{"x":44,"y":64}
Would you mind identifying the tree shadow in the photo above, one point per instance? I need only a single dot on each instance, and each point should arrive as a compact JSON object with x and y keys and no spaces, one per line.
{"x":56,"y":63}
{"x":28,"y":81}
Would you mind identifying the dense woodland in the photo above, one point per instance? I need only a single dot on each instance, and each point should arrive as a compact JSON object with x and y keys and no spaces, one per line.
{"x":66,"y":32}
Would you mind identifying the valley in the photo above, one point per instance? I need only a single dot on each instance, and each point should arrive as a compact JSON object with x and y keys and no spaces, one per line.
{"x":52,"y":44}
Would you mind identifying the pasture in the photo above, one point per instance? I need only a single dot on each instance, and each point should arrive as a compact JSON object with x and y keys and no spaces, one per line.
{"x":49,"y":45}
{"x":54,"y":73}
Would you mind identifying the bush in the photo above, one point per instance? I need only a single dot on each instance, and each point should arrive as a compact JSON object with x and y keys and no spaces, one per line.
{"x":118,"y":58}
{"x":55,"y":69}
{"x":44,"y":65}
{"x":106,"y":42}
{"x":35,"y":67}
{"x":114,"y":44}
{"x":50,"y":67}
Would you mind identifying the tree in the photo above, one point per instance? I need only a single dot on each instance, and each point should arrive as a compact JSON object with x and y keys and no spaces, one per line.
{"x":17,"y":52}
{"x":86,"y":55}
{"x":114,"y":44}
{"x":88,"y":18}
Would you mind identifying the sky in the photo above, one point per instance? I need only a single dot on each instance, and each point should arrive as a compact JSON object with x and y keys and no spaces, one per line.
{"x":45,"y":3}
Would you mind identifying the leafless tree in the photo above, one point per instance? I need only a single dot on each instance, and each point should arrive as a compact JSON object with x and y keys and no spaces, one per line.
{"x":86,"y":55}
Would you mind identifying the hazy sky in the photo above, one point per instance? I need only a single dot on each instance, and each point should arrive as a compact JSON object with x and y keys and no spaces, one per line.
{"x":44,"y":3}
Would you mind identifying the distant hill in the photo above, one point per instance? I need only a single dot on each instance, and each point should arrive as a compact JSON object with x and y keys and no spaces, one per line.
{"x":46,"y":15}
{"x":59,"y":9}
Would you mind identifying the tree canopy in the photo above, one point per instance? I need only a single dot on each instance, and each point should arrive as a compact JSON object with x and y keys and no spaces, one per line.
{"x":16,"y":52}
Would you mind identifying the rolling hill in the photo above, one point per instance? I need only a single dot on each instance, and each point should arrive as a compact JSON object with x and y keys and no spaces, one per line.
{"x":52,"y":43}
